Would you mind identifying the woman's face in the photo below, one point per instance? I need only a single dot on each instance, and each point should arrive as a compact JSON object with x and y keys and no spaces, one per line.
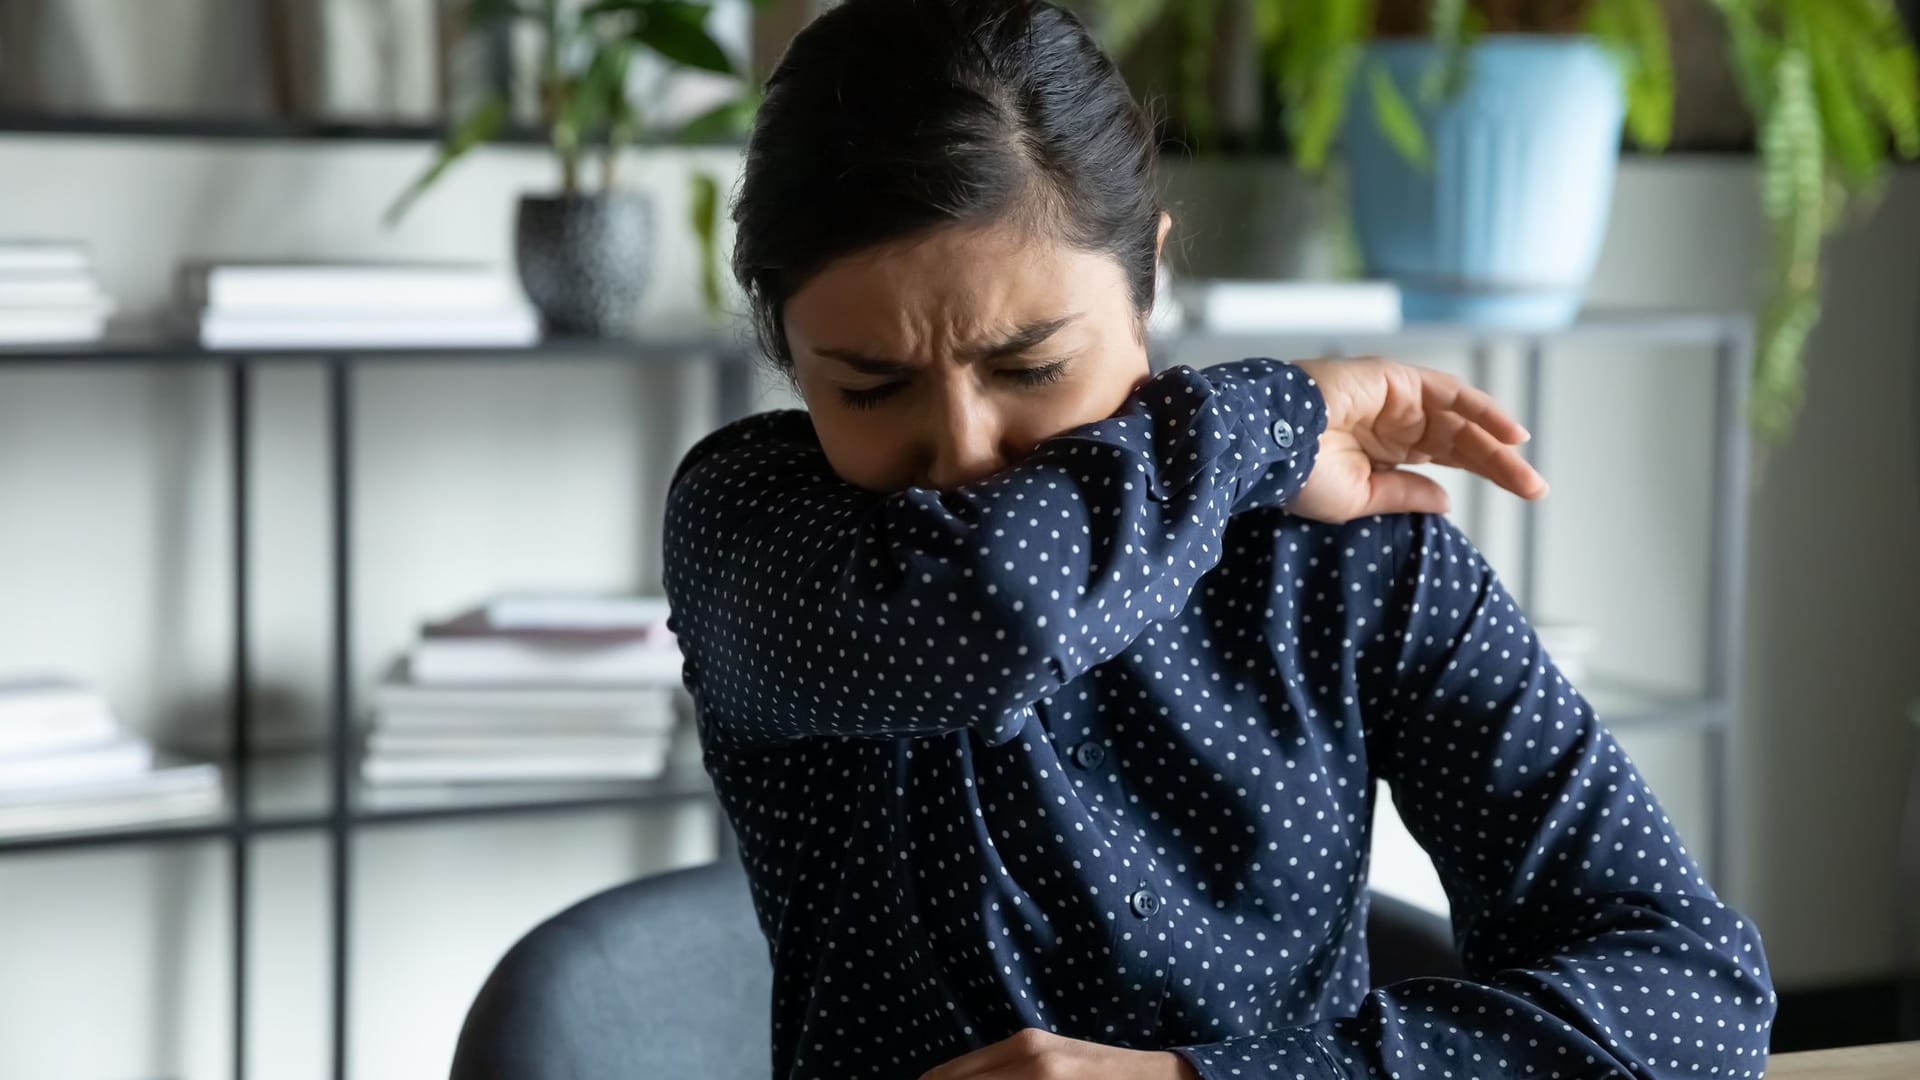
{"x":941,"y":360}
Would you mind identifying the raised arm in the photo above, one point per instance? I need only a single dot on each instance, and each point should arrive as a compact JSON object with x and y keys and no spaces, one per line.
{"x":808,"y":606}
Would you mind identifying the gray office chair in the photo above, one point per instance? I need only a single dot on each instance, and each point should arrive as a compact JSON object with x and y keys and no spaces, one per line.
{"x":668,"y":977}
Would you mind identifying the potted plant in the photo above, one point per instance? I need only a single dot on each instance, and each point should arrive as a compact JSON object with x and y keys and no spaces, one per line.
{"x":1481,"y":138}
{"x":583,"y":253}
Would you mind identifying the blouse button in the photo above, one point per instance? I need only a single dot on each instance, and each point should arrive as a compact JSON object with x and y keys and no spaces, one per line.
{"x":1144,"y":902}
{"x":1283,"y":434}
{"x":1089,"y":754}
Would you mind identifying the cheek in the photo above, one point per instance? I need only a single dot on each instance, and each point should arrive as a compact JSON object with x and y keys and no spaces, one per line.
{"x":863,"y":449}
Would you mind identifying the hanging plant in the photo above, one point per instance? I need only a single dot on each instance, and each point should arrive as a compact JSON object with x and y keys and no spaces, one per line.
{"x":1833,"y":86}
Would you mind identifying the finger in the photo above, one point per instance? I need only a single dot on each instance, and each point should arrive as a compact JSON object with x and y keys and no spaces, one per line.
{"x":1445,"y":393}
{"x":1452,"y":441}
{"x":1397,"y":491}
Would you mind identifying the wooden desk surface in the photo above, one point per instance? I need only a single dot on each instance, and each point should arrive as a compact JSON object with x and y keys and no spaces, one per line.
{"x":1888,"y":1061}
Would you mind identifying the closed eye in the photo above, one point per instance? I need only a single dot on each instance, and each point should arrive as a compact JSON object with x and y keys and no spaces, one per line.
{"x":872,"y":396}
{"x":1036,"y":376}
{"x":869,"y":397}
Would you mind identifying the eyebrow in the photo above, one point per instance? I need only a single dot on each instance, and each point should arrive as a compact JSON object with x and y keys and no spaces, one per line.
{"x":1022,"y":339}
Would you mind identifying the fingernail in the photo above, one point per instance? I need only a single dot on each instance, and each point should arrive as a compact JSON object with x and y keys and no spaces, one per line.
{"x":1525,"y":435}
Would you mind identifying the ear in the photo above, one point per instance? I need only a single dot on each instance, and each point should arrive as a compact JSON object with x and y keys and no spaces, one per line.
{"x":1160,"y":238}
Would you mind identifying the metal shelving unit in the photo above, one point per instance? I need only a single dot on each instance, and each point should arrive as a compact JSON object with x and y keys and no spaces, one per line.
{"x":348,"y":808}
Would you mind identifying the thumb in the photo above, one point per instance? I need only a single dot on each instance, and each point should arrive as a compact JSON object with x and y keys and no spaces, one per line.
{"x":1396,"y":491}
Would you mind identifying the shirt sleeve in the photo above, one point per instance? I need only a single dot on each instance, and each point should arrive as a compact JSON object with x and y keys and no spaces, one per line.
{"x":1593,"y":944}
{"x":805,"y":605}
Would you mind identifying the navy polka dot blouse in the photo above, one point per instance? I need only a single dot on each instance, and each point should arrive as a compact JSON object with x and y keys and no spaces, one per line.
{"x":1089,"y":745}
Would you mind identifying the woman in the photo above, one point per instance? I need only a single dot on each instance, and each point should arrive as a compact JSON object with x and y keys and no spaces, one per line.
{"x":1046,"y":695}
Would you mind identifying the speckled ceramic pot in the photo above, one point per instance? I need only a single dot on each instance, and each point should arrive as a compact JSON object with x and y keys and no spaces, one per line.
{"x":585,"y":259}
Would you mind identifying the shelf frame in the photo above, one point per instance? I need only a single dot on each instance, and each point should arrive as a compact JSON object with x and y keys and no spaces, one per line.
{"x":149,"y":344}
{"x":1728,"y":337}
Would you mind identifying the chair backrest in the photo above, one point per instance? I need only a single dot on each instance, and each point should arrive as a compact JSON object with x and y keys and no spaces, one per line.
{"x":668,"y":976}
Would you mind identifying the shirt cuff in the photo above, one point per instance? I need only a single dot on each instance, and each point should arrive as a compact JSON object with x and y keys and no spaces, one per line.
{"x":1268,"y":415}
{"x":1279,"y":1055}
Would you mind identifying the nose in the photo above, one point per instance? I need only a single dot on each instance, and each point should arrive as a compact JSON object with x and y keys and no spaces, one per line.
{"x":964,"y":437}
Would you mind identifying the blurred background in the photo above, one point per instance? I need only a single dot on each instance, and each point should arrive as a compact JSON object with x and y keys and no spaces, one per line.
{"x":346,"y":347}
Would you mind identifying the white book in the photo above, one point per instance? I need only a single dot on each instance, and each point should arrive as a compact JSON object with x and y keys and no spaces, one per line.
{"x":480,"y":768}
{"x":479,"y":329}
{"x":45,"y":714}
{"x":116,"y":759}
{"x":582,"y":612}
{"x":57,"y":289}
{"x":1251,"y":306}
{"x":137,"y":808}
{"x":541,"y":722}
{"x":456,"y":742}
{"x":52,"y":326}
{"x":519,"y":711}
{"x":35,"y":256}
{"x":497,"y":661}
{"x":516,"y":703}
{"x":170,"y":776}
{"x":372,"y":288}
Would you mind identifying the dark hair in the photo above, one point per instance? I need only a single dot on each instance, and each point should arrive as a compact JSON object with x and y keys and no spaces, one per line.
{"x":886,"y":118}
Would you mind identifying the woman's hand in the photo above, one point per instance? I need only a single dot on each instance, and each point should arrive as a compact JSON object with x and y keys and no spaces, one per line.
{"x":1382,"y":414}
{"x":1038,"y":1054}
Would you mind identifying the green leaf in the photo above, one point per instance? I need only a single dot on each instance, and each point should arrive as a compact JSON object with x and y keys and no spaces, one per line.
{"x":1886,"y":68}
{"x":1318,"y":57}
{"x":1199,"y":19}
{"x":727,"y":120}
{"x":1753,"y":56}
{"x":1448,"y":76}
{"x":678,"y":31}
{"x":1779,"y":377}
{"x":1121,"y":22}
{"x":1856,"y":143}
{"x":705,"y":202}
{"x":1793,"y":193}
{"x":1634,"y":32}
{"x":1396,"y":118}
{"x":482,"y":123}
{"x":485,"y":11}
{"x":596,"y":97}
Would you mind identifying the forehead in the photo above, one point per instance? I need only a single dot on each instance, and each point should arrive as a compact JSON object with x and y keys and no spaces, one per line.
{"x":951,"y":281}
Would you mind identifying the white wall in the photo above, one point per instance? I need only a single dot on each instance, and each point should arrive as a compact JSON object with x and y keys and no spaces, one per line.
{"x":474,"y":477}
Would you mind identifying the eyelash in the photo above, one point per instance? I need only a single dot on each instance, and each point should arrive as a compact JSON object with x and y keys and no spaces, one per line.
{"x":1031,"y":376}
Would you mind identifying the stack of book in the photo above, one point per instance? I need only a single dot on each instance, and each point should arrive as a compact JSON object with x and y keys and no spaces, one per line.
{"x":48,"y":293}
{"x":66,"y":763}
{"x":531,"y":688}
{"x":262,"y":305}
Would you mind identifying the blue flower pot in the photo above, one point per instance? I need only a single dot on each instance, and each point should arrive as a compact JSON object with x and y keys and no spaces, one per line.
{"x":1502,"y":227}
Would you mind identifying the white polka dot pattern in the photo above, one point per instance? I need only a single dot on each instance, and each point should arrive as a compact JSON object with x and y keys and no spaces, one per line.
{"x":1089,"y":746}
